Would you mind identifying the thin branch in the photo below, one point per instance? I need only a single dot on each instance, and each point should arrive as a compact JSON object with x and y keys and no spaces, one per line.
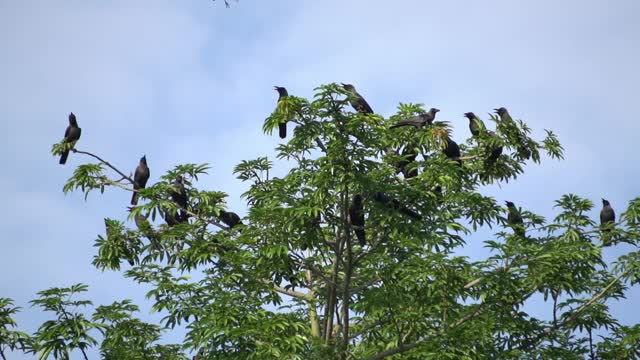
{"x":106,"y":181}
{"x":406,"y":347}
{"x":321,"y":145}
{"x":575,"y":314}
{"x":104,"y":162}
{"x":368,"y":328}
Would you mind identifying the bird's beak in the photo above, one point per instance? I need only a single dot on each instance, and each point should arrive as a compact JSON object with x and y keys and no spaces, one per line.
{"x":275,"y":88}
{"x":496,"y":110}
{"x":343,"y":84}
{"x":436,"y":110}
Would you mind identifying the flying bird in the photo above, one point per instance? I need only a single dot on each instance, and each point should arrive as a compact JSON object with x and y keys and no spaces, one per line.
{"x":607,"y":215}
{"x":231,"y":219}
{"x":140,"y":178}
{"x":179,"y":196}
{"x":515,"y":219}
{"x":418,"y":121}
{"x":475,"y":124}
{"x":282,"y":127}
{"x":71,"y":134}
{"x":356,"y":100}
{"x":356,"y":216}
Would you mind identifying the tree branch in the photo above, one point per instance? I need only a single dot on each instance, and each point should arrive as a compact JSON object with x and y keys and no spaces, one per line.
{"x":104,"y":162}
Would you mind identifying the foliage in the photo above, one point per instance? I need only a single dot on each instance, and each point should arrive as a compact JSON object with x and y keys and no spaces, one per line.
{"x":291,"y":282}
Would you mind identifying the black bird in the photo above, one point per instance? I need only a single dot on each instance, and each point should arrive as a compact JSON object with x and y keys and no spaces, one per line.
{"x":395,"y":204}
{"x":452,"y":151}
{"x":408,"y":156}
{"x":523,"y":150}
{"x":356,"y":216}
{"x":475,"y":124}
{"x":357,"y":101}
{"x":71,"y":134}
{"x":515,"y":219}
{"x":607,"y":215}
{"x":496,"y":151}
{"x":503,"y":113}
{"x":418,"y":121}
{"x":140,"y":178}
{"x":179,"y":196}
{"x":282,"y":127}
{"x":231,"y":219}
{"x":171,"y":218}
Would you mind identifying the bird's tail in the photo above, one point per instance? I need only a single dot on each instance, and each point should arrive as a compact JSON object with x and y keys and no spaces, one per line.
{"x":63,"y":157}
{"x":283,"y":130}
{"x":361,"y":237}
{"x":134,"y":198}
{"x":397,"y":125}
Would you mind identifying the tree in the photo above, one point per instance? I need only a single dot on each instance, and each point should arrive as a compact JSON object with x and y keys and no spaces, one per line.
{"x":293,"y":282}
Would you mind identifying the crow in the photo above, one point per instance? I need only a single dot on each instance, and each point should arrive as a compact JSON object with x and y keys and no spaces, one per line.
{"x":395,"y":204}
{"x":452,"y":151}
{"x":356,"y":100}
{"x":607,"y":215}
{"x":408,"y":156}
{"x":418,"y":121}
{"x":356,"y":216}
{"x":496,"y":151}
{"x":515,"y":219}
{"x":140,"y":178}
{"x":282,"y":127}
{"x":475,"y":124}
{"x":231,"y":219}
{"x":71,"y":134}
{"x":179,"y":196}
{"x":523,"y":149}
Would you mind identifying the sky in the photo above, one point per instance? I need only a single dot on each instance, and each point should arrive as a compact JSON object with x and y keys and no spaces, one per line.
{"x":192,"y":81}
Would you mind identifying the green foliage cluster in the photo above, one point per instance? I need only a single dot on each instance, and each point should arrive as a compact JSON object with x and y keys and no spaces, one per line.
{"x":291,"y":282}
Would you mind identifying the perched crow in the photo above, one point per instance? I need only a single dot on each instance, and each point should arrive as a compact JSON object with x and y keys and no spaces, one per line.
{"x":607,"y":215}
{"x":523,"y":150}
{"x":503,"y":113}
{"x":357,"y":101}
{"x":418,"y":121}
{"x":395,"y":204}
{"x":452,"y":151}
{"x":71,"y":134}
{"x":140,"y":178}
{"x":231,"y":219}
{"x":408,"y":156}
{"x":144,"y":226}
{"x":475,"y":124}
{"x":356,"y":215}
{"x":171,"y":219}
{"x":496,"y":151}
{"x":179,"y":196}
{"x":515,"y":219}
{"x":282,"y":127}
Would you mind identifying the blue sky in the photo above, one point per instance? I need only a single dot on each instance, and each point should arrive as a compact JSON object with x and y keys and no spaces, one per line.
{"x":191,"y":81}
